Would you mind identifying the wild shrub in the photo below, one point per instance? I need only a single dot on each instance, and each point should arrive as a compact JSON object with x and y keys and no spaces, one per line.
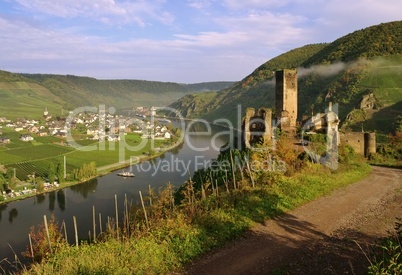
{"x":40,"y":245}
{"x":389,"y":259}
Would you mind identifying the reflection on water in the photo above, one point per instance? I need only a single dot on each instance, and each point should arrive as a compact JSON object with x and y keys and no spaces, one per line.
{"x":12,"y":215}
{"x":2,"y":208}
{"x":61,"y":200}
{"x":85,"y":188}
{"x":59,"y":197}
{"x":40,"y":198}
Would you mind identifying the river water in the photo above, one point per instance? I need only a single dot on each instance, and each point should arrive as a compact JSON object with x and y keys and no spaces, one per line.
{"x":17,"y":217}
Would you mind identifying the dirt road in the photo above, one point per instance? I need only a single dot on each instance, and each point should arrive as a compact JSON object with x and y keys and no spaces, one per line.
{"x":320,"y":237}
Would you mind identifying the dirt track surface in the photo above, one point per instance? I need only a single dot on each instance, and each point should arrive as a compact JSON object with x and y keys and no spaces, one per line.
{"x":320,"y":237}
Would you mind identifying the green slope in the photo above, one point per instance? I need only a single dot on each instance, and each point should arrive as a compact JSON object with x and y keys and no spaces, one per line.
{"x":25,"y":99}
{"x":27,"y":95}
{"x":81,"y":91}
{"x":341,"y":72}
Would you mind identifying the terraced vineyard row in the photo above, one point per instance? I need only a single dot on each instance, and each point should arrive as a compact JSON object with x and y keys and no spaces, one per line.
{"x":39,"y":168}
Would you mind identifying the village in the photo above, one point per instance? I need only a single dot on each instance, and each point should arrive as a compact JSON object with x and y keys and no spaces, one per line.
{"x":93,"y":127}
{"x":97,"y":126}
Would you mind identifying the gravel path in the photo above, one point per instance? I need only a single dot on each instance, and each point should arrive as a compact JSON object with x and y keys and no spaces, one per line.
{"x":320,"y":237}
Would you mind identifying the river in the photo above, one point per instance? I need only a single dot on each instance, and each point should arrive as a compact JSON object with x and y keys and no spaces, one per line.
{"x":16,"y":218}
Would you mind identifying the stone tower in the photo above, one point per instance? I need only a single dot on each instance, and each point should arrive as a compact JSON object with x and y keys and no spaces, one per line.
{"x":286,"y":98}
{"x":370,"y":146}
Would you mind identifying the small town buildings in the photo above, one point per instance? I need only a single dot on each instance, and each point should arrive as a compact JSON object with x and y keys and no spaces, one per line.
{"x":18,"y":129}
{"x":26,"y":137}
{"x":4,"y":140}
{"x":42,"y":133}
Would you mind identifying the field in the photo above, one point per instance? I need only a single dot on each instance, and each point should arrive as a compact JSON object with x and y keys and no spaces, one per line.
{"x":35,"y":157}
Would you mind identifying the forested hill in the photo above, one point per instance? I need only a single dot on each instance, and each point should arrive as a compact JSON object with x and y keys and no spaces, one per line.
{"x":29,"y":94}
{"x":365,"y":61}
{"x":79,"y":91}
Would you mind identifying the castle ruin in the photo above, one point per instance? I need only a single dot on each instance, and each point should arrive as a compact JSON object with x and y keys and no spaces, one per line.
{"x":257,"y":126}
{"x":286,"y":99}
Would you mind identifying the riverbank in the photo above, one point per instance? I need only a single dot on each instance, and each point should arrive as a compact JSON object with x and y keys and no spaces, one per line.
{"x":101,"y":171}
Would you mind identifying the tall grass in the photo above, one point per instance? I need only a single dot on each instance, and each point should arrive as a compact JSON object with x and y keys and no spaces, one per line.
{"x":174,"y":233}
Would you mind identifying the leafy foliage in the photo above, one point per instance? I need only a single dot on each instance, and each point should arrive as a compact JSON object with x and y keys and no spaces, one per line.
{"x":389,"y":260}
{"x":379,"y":40}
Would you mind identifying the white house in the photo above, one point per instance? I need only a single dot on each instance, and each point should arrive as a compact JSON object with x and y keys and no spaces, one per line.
{"x":26,"y":138}
{"x":167,"y":135}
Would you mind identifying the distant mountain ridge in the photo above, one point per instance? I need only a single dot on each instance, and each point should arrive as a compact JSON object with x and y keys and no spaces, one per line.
{"x":29,"y":94}
{"x":340,"y":72}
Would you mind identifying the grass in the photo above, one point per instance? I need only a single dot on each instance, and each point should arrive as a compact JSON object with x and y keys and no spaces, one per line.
{"x":176,"y":235}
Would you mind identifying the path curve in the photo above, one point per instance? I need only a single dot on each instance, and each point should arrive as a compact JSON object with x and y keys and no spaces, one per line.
{"x":327,"y":236}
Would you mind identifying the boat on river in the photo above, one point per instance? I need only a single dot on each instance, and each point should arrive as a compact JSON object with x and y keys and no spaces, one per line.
{"x":126,"y":174}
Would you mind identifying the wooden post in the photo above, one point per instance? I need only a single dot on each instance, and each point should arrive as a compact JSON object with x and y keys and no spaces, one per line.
{"x":127,"y":219}
{"x":249,"y":172}
{"x":65,"y":231}
{"x":47,"y":234}
{"x":203,"y":196}
{"x":75,"y":230}
{"x":108,"y":228}
{"x":65,"y":168}
{"x":100,"y":223}
{"x":241,"y":173}
{"x":94,"y":222}
{"x":150,"y":195}
{"x":226,"y":182}
{"x":143,"y":208}
{"x":30,"y":245}
{"x":233,"y":168}
{"x":217,"y":188}
{"x":117,"y":216}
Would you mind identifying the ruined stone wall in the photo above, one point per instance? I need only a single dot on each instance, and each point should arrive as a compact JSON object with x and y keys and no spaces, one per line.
{"x":257,"y":126}
{"x":363,"y":143}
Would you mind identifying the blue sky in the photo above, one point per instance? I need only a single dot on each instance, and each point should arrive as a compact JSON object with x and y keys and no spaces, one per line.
{"x":185,"y":41}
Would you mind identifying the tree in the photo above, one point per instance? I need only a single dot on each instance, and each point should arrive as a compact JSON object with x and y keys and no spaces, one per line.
{"x":51,"y":174}
{"x":60,"y":172}
{"x":40,"y":184}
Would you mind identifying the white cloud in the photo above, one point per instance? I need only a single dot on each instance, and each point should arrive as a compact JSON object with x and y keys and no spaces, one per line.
{"x":109,"y":11}
{"x":196,"y":40}
{"x":199,"y":4}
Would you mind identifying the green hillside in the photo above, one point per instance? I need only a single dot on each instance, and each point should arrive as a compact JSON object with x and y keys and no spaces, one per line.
{"x":27,"y":95}
{"x":363,"y":62}
{"x":25,"y":99}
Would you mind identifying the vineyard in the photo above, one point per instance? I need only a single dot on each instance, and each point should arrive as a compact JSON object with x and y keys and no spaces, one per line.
{"x":32,"y":153}
{"x":36,"y":158}
{"x":39,"y":168}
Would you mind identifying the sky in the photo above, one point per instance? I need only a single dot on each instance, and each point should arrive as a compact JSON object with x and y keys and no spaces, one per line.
{"x":184,"y":41}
